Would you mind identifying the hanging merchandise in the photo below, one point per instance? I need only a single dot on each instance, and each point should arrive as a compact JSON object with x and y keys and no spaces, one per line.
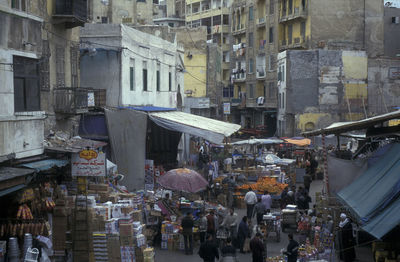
{"x":24,"y":212}
{"x":49,"y":204}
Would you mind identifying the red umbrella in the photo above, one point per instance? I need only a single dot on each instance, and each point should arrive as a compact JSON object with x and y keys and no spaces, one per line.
{"x":183,"y":179}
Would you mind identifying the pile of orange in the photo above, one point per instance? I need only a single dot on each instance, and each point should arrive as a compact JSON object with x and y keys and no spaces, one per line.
{"x":265,"y":184}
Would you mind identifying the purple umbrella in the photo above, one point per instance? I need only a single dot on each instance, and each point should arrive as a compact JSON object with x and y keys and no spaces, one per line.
{"x":183,"y":179}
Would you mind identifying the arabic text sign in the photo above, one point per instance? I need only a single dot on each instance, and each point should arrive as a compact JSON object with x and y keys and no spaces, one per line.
{"x":88,"y":163}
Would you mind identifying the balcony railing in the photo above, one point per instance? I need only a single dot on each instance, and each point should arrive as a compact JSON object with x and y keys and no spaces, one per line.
{"x":261,"y":21}
{"x":261,"y":73}
{"x":298,"y":42}
{"x":299,"y":13}
{"x":237,"y":77}
{"x":69,"y":100}
{"x":72,"y":13}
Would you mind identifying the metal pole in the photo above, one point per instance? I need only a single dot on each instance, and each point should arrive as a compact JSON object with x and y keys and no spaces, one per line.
{"x":325,"y":156}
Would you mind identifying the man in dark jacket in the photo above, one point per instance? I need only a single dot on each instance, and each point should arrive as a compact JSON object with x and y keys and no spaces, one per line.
{"x":292,"y":249}
{"x":243,"y":232}
{"x":208,"y":250}
{"x":228,"y":250}
{"x":259,"y":211}
{"x":187,"y":232}
{"x":257,"y":248}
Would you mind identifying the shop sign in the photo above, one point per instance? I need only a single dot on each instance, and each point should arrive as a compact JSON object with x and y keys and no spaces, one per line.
{"x":394,"y":72}
{"x":227,"y":108}
{"x":394,"y":122}
{"x":201,"y":103}
{"x":88,"y":163}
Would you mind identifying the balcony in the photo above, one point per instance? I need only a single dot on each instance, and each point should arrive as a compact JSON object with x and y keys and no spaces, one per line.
{"x":71,"y":13}
{"x":239,"y":30}
{"x":261,"y":22}
{"x":297,"y":43}
{"x":71,"y":100}
{"x":239,"y":77}
{"x":217,"y":29}
{"x":299,"y":13}
{"x":260,"y":73}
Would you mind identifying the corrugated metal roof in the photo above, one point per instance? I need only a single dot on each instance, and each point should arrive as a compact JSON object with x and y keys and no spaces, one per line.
{"x":44,"y":165}
{"x":210,"y":129}
{"x":150,"y":108}
{"x":7,"y":173}
{"x":11,"y":189}
{"x":341,"y":127}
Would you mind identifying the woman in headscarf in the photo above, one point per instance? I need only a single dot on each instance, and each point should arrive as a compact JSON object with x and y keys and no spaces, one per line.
{"x":346,"y":239}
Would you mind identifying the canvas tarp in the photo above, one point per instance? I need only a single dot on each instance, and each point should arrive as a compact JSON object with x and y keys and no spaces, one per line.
{"x":127,"y":134}
{"x":381,"y":224}
{"x":342,"y":172}
{"x":210,"y":129}
{"x":375,"y":189}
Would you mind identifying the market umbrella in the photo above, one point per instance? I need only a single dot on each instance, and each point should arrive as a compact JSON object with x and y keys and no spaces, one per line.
{"x":183,"y":179}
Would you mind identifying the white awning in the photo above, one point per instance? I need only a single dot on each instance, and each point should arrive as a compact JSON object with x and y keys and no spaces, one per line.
{"x":210,"y":129}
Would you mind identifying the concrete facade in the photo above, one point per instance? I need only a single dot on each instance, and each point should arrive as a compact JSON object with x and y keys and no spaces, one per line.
{"x":383,"y":85}
{"x":323,"y":86}
{"x":113,"y":11}
{"x":33,"y":34}
{"x":124,"y":58}
{"x":392,"y":31}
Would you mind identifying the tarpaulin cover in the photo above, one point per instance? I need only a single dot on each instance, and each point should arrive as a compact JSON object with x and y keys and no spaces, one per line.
{"x":342,"y":172}
{"x":127,"y":134}
{"x":47,"y":164}
{"x":257,"y":141}
{"x":381,"y":224}
{"x":298,"y":142}
{"x":210,"y":129}
{"x":375,"y":189}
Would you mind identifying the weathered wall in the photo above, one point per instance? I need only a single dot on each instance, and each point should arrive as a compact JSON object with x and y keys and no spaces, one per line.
{"x":383,"y":85}
{"x":195,"y":59}
{"x":374,"y":28}
{"x":392,"y":32}
{"x":322,"y":87}
{"x":117,"y":11}
{"x":338,"y":23}
{"x":144,"y":12}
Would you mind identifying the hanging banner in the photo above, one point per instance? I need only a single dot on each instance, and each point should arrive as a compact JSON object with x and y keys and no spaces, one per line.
{"x":88,"y":163}
{"x":227,"y":108}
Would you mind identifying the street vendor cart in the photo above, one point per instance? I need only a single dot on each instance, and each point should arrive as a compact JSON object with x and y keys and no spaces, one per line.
{"x":272,"y":223}
{"x":289,"y":218}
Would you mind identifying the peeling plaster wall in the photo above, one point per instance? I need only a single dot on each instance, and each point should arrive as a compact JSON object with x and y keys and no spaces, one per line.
{"x":323,"y":87}
{"x":383,"y":88}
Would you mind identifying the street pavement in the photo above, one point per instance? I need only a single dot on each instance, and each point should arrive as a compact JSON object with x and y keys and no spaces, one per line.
{"x":273,"y":247}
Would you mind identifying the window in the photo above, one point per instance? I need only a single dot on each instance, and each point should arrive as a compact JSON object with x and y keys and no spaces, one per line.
{"x":171,"y":24}
{"x":271,"y":35}
{"x":251,"y":65}
{"x":251,"y":91}
{"x":225,"y":56}
{"x":265,"y":91}
{"x":284,"y":8}
{"x":283,"y":100}
{"x":170,"y":81}
{"x":395,"y":20}
{"x":271,"y":7}
{"x":303,"y":4}
{"x":290,"y":34}
{"x":251,"y":13}
{"x":158,"y":78}
{"x":18,"y":4}
{"x":143,"y":1}
{"x":303,"y":30}
{"x":270,"y":62}
{"x":251,"y":40}
{"x":144,"y":76}
{"x":132,"y":75}
{"x":228,"y":91}
{"x":271,"y":92}
{"x":26,"y":84}
{"x":104,"y":19}
{"x":290,"y":6}
{"x":279,"y":100}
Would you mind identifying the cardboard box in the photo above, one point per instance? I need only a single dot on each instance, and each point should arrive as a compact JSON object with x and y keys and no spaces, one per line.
{"x":126,"y":241}
{"x":126,"y":230}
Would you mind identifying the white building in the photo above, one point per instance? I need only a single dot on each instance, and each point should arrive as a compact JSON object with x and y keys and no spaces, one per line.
{"x":136,"y":68}
{"x":21,"y":118}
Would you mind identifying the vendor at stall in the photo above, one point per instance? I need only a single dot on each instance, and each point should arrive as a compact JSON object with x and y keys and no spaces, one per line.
{"x":230,"y":222}
{"x":346,"y":239}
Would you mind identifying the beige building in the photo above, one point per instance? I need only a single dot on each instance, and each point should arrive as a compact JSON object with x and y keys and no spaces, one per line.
{"x":253,"y":65}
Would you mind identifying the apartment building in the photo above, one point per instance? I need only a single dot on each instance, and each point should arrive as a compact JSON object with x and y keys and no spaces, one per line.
{"x":253,"y":66}
{"x":215,"y":16}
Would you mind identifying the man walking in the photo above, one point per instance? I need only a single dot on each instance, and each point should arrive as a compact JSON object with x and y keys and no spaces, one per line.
{"x":266,"y":199}
{"x":202,"y":227}
{"x":292,"y":249}
{"x":251,"y":199}
{"x":243,"y":232}
{"x":257,"y":248}
{"x":259,"y":211}
{"x":208,"y":250}
{"x":230,"y":222}
{"x":187,"y":231}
